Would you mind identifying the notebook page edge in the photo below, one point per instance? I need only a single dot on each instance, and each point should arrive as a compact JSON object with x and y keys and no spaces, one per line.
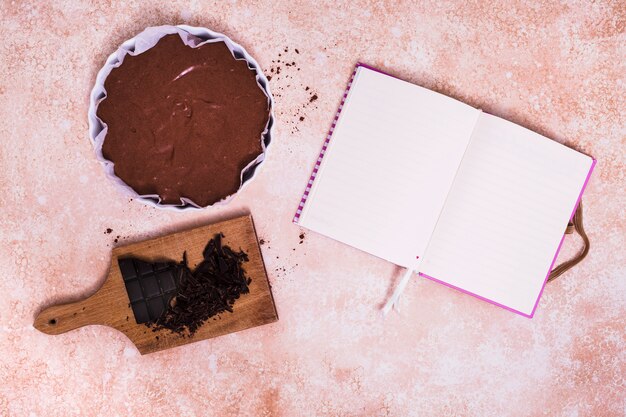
{"x":408,"y":83}
{"x":300,"y":214}
{"x":556,"y":255}
{"x":543,"y":137}
{"x":531,"y":311}
{"x":480,"y":297}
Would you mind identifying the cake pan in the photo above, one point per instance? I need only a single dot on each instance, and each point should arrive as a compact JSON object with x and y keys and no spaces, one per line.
{"x":135,"y":46}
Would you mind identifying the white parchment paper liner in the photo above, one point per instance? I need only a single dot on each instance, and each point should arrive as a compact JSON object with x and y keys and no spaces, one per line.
{"x":142,"y":42}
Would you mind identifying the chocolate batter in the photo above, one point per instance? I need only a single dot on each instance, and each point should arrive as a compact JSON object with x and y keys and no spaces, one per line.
{"x":182,"y":121}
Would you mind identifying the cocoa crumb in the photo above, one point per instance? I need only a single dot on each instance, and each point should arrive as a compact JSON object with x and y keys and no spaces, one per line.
{"x":281,"y":73}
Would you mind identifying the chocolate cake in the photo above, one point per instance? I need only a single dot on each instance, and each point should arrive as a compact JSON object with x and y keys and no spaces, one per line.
{"x":183,"y":121}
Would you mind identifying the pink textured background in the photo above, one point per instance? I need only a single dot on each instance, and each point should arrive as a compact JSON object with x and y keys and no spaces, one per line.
{"x":556,"y":69}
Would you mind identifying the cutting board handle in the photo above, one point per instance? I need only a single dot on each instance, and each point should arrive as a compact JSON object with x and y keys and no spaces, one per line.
{"x":62,"y":318}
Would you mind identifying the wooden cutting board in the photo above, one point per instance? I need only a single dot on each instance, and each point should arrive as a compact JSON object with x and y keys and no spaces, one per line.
{"x":110,"y":305}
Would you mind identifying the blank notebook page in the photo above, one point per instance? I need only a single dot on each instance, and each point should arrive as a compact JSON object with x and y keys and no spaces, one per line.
{"x":388,"y":168}
{"x":506,"y":214}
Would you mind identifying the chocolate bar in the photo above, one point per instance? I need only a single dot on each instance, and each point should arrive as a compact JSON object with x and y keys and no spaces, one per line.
{"x":150,"y":287}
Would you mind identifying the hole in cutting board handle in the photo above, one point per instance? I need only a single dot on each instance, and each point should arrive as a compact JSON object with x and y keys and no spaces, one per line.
{"x":52,"y":322}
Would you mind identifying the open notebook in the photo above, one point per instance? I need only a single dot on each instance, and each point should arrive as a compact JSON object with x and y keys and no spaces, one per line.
{"x":429,"y":183}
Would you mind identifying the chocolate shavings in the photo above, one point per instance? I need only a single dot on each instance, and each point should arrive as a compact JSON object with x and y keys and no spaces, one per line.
{"x":210,"y":289}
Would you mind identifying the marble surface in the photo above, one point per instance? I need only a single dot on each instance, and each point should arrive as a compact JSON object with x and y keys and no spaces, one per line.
{"x":555,"y":67}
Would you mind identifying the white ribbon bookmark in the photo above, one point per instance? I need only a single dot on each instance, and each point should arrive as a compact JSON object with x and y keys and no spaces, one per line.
{"x":394,"y":300}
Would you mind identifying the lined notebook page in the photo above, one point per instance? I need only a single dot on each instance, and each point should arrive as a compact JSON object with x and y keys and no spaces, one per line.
{"x":389,"y":166}
{"x":506,"y":214}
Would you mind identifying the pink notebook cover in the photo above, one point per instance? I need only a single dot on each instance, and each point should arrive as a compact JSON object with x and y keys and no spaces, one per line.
{"x":316,"y":168}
